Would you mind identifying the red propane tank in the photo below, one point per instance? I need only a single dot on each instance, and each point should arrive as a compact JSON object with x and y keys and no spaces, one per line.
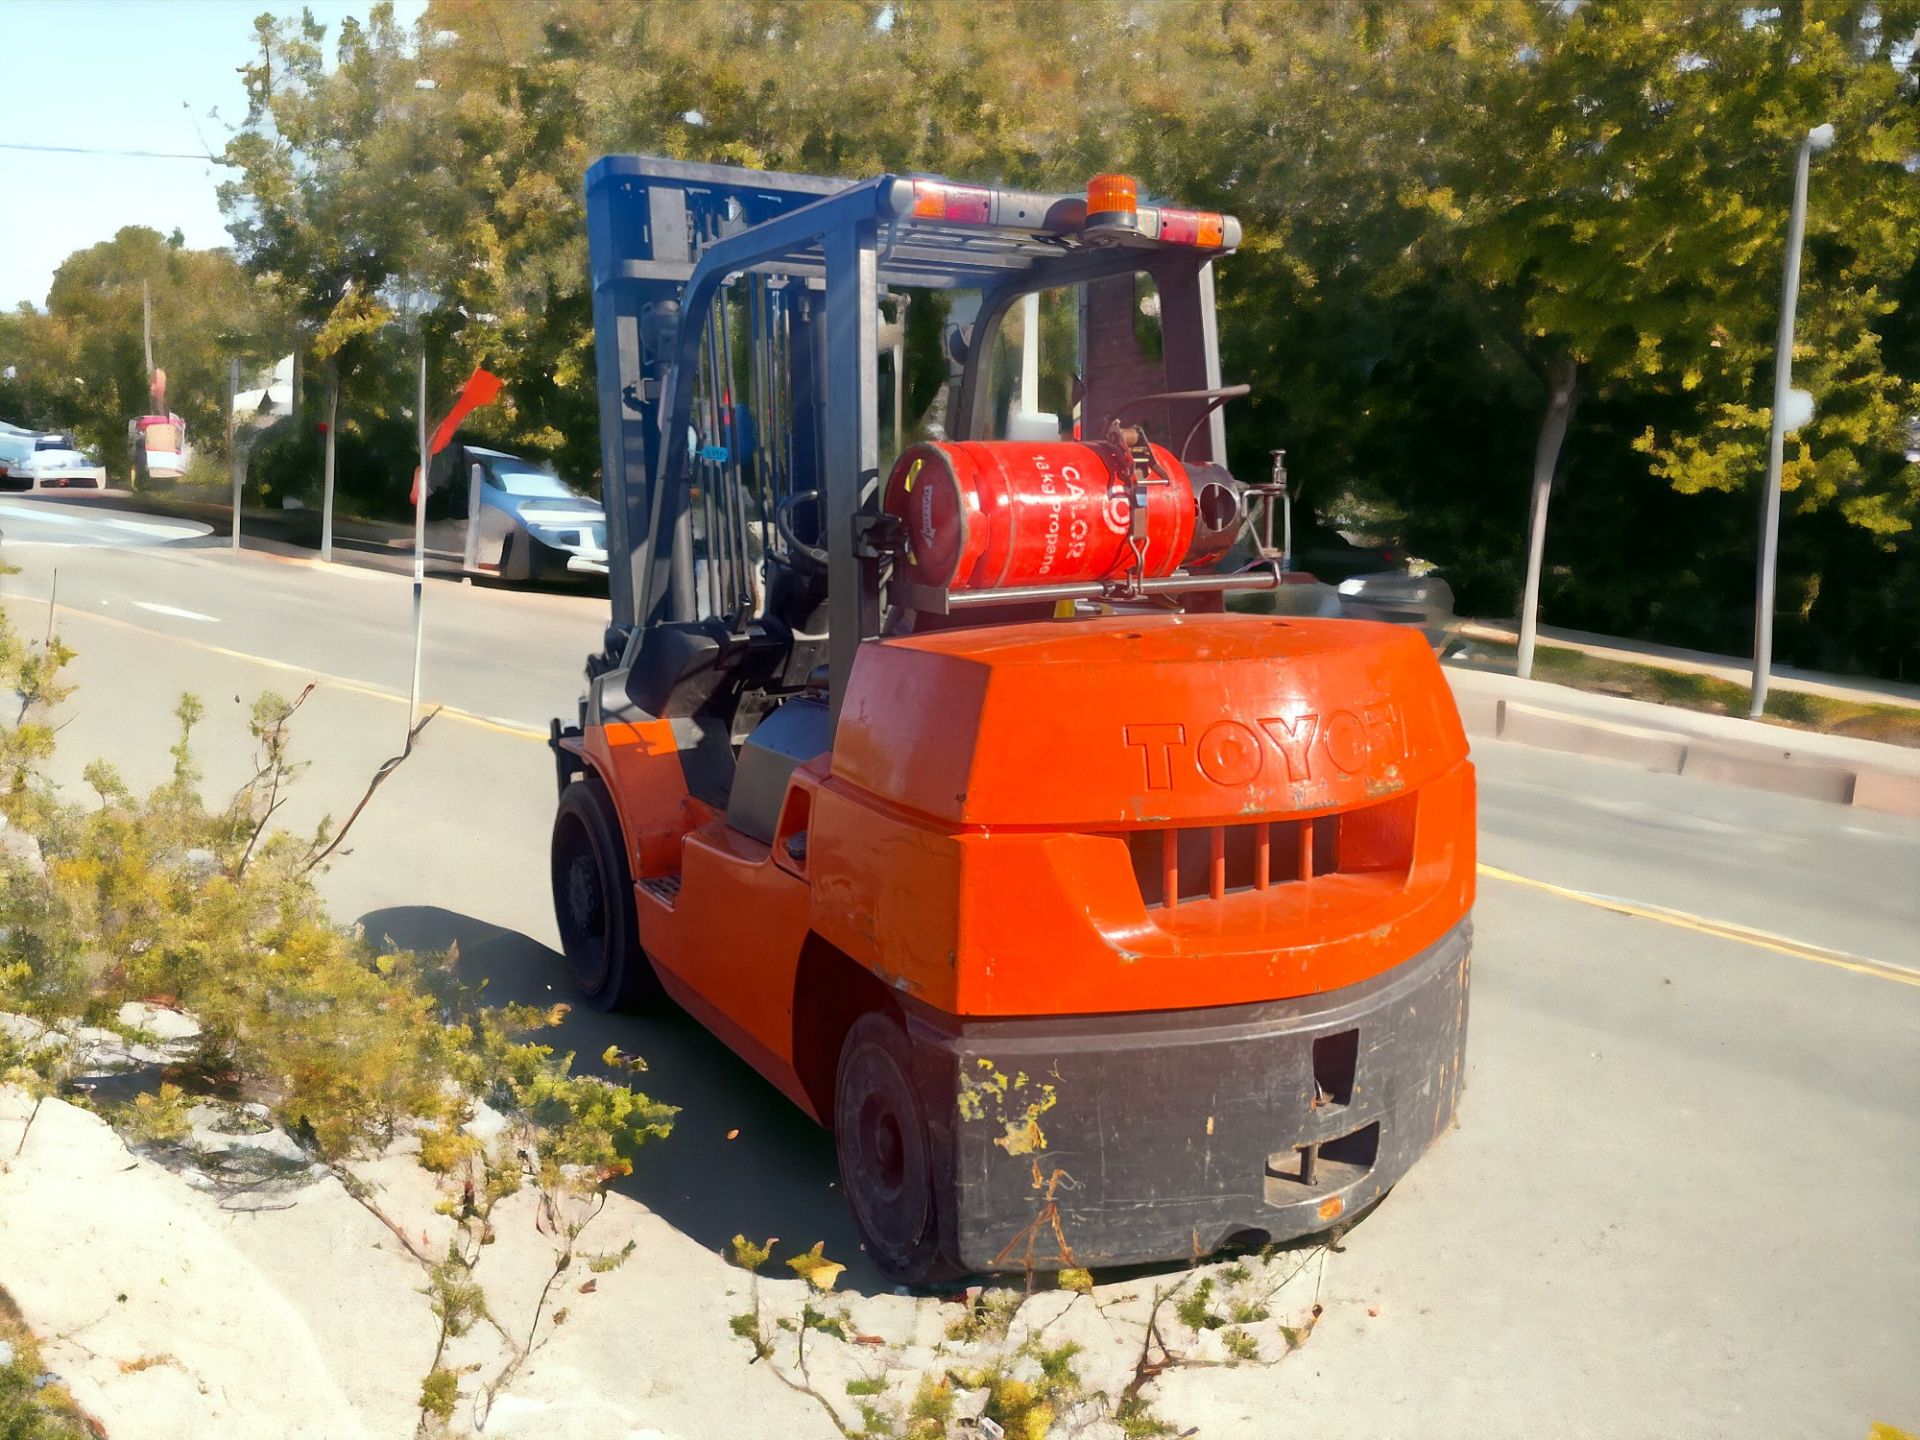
{"x":986,"y":514}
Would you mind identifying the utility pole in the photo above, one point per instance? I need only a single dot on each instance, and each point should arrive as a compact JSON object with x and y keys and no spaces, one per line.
{"x":233,"y":441}
{"x":146,"y":311}
{"x":1818,"y":138}
{"x":326,"y":484}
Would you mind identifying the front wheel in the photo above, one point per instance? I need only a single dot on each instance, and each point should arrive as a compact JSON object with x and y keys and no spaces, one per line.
{"x":593,"y":901}
{"x":886,"y":1159}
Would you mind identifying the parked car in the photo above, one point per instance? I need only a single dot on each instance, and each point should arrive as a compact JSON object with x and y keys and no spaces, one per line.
{"x":498,"y":514}
{"x":1327,"y":552}
{"x":1403,"y":598}
{"x":60,"y":469}
{"x":1337,"y":577}
{"x":16,"y":448}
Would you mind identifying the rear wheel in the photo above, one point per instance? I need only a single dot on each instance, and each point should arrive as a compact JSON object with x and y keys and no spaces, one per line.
{"x":886,"y":1159}
{"x":593,"y":901}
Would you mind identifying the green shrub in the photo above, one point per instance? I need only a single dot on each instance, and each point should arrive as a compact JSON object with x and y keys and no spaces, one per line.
{"x":373,"y":464}
{"x":216,"y":909}
{"x":155,"y":1119}
{"x":31,"y":1408}
{"x":440,"y":1392}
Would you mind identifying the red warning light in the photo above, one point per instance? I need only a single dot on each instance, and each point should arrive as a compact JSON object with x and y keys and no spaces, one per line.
{"x":1204,"y":228}
{"x":960,"y":204}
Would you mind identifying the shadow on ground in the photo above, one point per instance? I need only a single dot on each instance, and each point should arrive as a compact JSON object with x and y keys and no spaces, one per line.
{"x":777,"y":1178}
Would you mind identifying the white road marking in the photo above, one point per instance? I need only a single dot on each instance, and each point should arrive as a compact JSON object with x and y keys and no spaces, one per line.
{"x":54,"y":516}
{"x":41,"y":515}
{"x":179,"y":530}
{"x":175,"y":611}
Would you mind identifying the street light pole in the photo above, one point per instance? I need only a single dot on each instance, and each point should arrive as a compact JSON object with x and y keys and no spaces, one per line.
{"x":326,"y":479}
{"x":1818,"y":138}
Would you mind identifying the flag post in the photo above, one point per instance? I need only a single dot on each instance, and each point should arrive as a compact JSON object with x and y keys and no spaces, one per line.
{"x":419,"y":538}
{"x":481,"y":389}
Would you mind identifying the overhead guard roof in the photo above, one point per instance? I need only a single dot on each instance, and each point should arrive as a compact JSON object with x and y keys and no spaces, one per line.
{"x":1025,"y":227}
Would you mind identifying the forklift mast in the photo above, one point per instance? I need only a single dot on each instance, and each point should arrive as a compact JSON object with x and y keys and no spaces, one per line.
{"x":736,"y":315}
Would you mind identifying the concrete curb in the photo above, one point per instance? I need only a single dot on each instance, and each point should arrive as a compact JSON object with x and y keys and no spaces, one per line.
{"x":1857,"y":689}
{"x":1668,"y":752}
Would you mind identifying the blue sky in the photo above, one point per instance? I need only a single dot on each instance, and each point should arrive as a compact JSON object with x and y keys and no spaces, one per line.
{"x":121,"y":75}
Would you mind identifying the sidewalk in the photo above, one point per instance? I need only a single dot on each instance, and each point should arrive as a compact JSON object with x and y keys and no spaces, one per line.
{"x":1861,"y":689}
{"x":1676,"y":741}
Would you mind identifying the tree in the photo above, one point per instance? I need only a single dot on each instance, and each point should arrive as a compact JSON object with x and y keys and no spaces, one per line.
{"x":1488,"y":243}
{"x":1621,"y":201}
{"x":1463,"y":219}
{"x":39,"y":385}
{"x":338,"y":206}
{"x":1328,"y":129}
{"x":542,"y":91}
{"x":80,"y":365}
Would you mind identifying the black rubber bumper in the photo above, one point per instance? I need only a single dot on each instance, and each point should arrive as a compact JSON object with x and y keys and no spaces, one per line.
{"x":1167,"y":1135}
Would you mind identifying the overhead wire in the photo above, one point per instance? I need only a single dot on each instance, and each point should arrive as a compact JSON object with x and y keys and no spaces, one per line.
{"x":124,"y":154}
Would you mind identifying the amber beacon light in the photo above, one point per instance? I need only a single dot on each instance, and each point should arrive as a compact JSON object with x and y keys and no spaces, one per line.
{"x":1113,"y":202}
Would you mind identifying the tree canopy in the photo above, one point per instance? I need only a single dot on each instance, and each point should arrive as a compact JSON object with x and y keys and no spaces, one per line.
{"x":80,"y":364}
{"x":1455,"y":211}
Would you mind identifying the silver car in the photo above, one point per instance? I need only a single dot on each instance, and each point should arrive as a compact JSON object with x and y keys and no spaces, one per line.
{"x":61,"y":468}
{"x":497,"y":514}
{"x":1336,"y":578}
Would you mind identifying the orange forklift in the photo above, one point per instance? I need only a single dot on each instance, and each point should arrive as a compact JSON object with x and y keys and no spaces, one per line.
{"x":948,"y":779}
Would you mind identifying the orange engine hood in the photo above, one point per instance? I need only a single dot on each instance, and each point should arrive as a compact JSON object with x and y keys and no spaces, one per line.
{"x":1145,"y":719}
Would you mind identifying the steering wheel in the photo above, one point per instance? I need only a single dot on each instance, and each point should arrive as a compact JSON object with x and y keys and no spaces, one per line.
{"x":806,"y":557}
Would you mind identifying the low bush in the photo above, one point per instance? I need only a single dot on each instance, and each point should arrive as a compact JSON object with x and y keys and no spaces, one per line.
{"x":214,"y":910}
{"x":33,"y":1404}
{"x":373,"y":464}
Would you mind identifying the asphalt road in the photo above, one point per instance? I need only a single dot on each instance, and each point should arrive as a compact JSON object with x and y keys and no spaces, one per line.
{"x":1684,"y":1195}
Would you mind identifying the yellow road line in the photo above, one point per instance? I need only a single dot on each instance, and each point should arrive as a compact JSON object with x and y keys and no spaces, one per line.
{"x":340,"y":682}
{"x":1724,"y":929}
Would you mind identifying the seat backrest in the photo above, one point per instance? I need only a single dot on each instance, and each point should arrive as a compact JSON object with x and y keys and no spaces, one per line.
{"x":678,"y":667}
{"x":786,"y":739}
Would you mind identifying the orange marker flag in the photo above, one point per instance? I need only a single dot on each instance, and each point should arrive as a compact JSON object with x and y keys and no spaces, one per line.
{"x":482,"y":388}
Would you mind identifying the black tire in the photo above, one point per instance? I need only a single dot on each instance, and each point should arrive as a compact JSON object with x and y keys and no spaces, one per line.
{"x":886,"y":1157}
{"x":593,"y":901}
